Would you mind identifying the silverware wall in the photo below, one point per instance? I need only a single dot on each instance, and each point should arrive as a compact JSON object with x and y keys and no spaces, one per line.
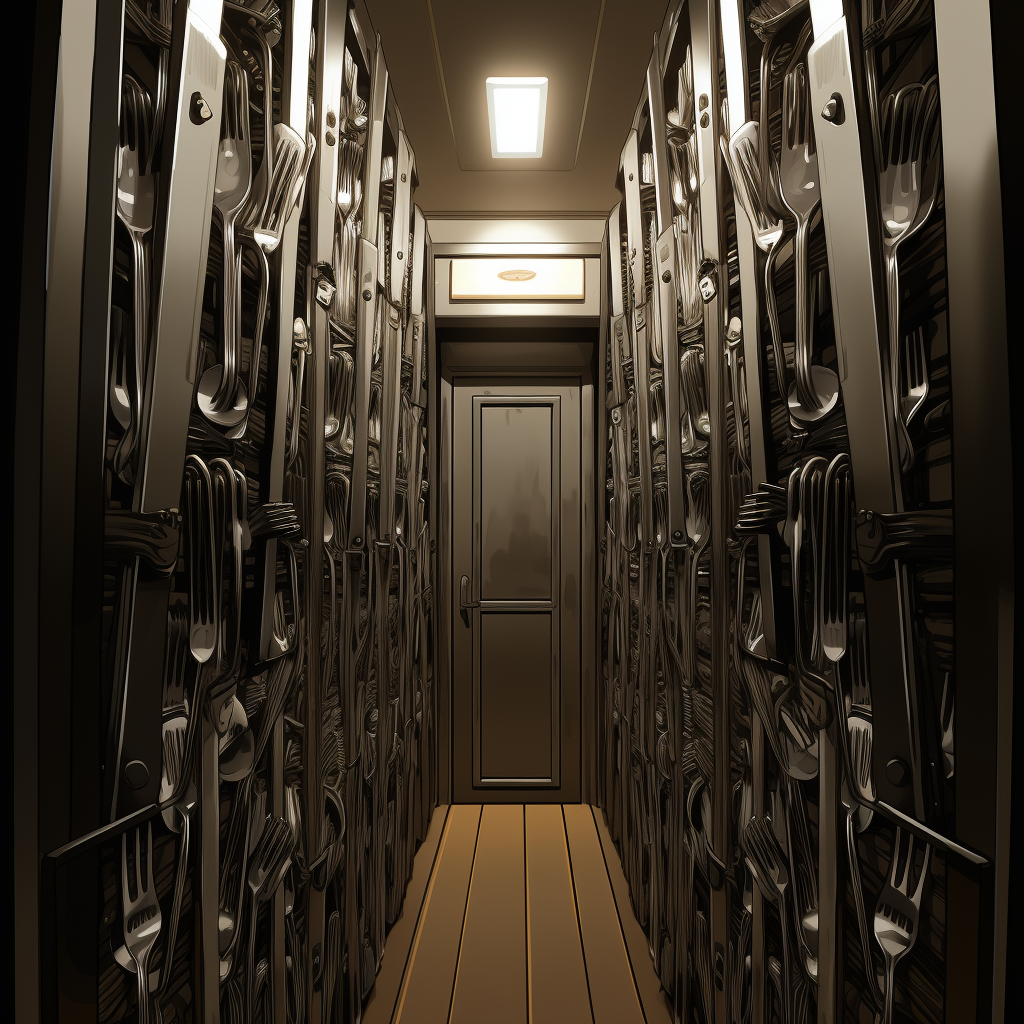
{"x":267,"y":613}
{"x":778,"y":738}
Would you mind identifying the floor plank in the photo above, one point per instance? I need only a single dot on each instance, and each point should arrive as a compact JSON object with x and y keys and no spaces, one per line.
{"x":557,"y":978}
{"x":613,"y":994}
{"x":381,"y":1005}
{"x":427,"y":988}
{"x":656,"y":1003}
{"x":490,"y":981}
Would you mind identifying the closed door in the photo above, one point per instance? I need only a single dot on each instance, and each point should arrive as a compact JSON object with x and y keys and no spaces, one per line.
{"x":516,"y":568}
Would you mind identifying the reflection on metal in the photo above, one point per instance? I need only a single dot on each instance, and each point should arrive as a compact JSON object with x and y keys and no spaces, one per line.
{"x":285,"y":775}
{"x":778,"y":691}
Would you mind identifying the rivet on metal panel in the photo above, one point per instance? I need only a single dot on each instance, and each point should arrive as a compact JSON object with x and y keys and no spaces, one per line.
{"x":833,"y":111}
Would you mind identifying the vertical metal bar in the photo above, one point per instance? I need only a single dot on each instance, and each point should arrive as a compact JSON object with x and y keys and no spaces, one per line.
{"x":982,"y":480}
{"x":209,"y":873}
{"x":294,"y":100}
{"x":330,"y":73}
{"x":366,"y":297}
{"x":704,"y":36}
{"x":399,"y":255}
{"x":737,"y":88}
{"x":854,"y":274}
{"x":829,"y":941}
{"x":659,"y":143}
{"x":638,"y":328}
{"x":278,"y":967}
{"x":174,"y":347}
{"x":59,"y":419}
{"x":86,"y":683}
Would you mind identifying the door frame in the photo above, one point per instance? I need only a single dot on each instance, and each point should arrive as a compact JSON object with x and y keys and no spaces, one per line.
{"x":499,"y":362}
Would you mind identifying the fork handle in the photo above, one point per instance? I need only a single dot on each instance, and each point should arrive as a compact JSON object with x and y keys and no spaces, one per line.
{"x":179,"y":886}
{"x":905,"y":449}
{"x":230,"y":302}
{"x":805,"y":390}
{"x":890,"y":989}
{"x":862,"y":915}
{"x":142,"y":985}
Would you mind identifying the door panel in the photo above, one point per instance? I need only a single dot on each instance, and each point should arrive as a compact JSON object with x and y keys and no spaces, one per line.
{"x":515,"y":457}
{"x":517,"y":692}
{"x":516,"y":540}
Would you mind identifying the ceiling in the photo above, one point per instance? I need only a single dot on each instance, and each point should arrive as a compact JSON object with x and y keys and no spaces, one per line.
{"x":461,"y":42}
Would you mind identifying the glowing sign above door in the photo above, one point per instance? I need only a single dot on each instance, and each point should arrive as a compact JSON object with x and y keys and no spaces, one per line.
{"x":517,"y":278}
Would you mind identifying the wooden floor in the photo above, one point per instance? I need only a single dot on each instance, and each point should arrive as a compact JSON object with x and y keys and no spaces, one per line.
{"x":513,"y":915}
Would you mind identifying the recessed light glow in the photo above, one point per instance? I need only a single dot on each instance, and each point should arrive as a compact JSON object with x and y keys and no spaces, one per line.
{"x":517,"y":278}
{"x":515,"y":109}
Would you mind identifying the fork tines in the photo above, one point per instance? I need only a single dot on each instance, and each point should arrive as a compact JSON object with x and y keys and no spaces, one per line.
{"x":836,"y":554}
{"x":765,"y":857}
{"x":763,"y":509}
{"x":274,"y":519}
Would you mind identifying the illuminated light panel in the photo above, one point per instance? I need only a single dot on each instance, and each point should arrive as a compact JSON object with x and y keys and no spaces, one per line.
{"x":515,"y":278}
{"x":515,"y":110}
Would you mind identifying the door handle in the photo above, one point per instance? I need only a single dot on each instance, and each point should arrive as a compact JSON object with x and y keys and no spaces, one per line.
{"x":464,"y":600}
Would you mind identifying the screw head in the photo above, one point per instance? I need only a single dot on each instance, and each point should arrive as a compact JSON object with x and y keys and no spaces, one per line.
{"x":833,"y":111}
{"x":367,"y":294}
{"x":199,"y":111}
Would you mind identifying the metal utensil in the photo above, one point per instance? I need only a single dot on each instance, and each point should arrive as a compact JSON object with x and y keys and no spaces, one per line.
{"x":766,"y":862}
{"x":770,"y":15}
{"x":743,"y":159}
{"x":178,"y":816}
{"x":221,"y":396}
{"x":268,"y":864}
{"x":914,"y":387}
{"x":120,"y":380}
{"x":835,"y":558}
{"x":292,"y":157}
{"x":907,"y":134}
{"x":136,"y":205}
{"x":695,"y":424}
{"x":204,"y":616}
{"x":142,"y":917}
{"x":946,"y":723}
{"x":897,"y":914}
{"x":858,"y":817}
{"x":815,"y":388}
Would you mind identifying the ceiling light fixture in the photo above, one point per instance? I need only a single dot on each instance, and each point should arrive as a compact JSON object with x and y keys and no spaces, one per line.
{"x":515,"y":109}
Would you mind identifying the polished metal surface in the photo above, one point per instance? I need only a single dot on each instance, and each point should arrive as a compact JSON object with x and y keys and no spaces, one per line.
{"x":281,"y":767}
{"x":815,"y":666}
{"x":324,"y":542}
